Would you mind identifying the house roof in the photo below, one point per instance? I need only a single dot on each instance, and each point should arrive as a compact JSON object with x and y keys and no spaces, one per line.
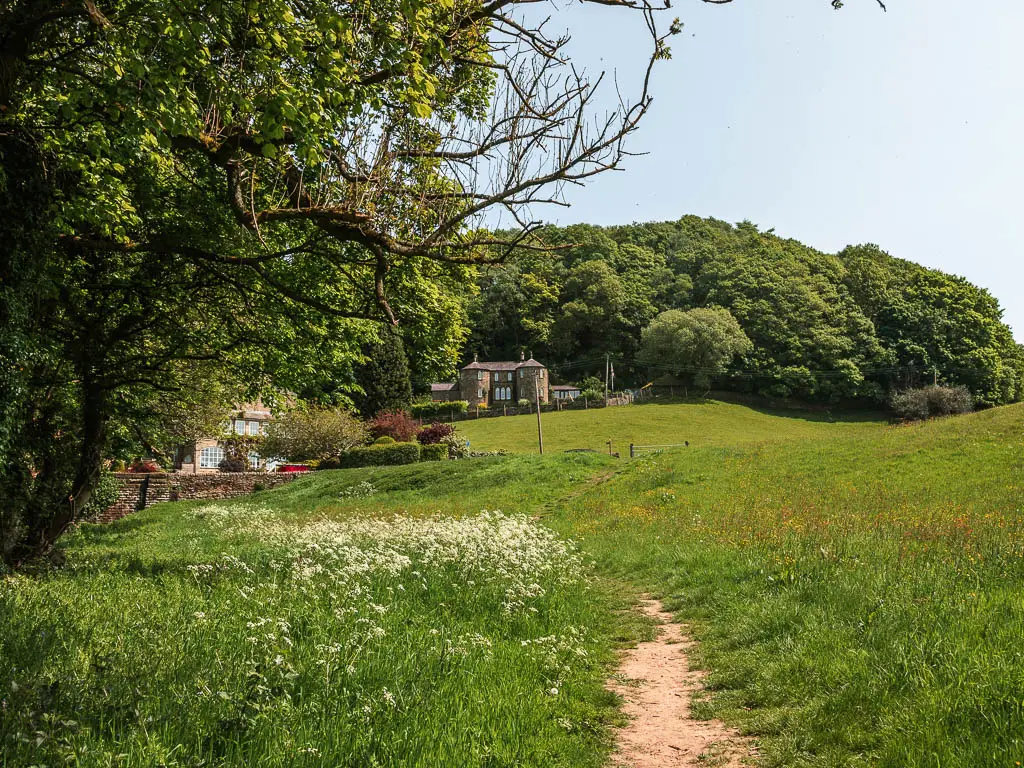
{"x":443,"y":387}
{"x":503,"y":365}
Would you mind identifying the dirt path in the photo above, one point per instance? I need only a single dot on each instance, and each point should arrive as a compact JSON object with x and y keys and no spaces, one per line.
{"x":657,"y":683}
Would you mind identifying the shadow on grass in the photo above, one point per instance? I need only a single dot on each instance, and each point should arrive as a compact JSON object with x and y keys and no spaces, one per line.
{"x":783,"y":409}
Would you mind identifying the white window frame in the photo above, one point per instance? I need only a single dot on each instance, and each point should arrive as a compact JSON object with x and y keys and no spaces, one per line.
{"x":479,"y":375}
{"x":252,"y":427}
{"x":239,"y":426}
{"x":211,"y":453}
{"x":480,"y":393}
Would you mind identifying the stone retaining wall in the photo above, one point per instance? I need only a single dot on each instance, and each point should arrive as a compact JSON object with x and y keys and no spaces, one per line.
{"x":141,"y":490}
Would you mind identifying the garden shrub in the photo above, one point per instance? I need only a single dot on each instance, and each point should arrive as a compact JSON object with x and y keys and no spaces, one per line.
{"x":302,"y":435}
{"x":232,"y":464}
{"x":385,"y":440}
{"x":434,"y":452}
{"x":397,"y":425}
{"x":524,"y":403}
{"x":380,"y":455}
{"x":108,"y":488}
{"x":442,"y":408}
{"x":931,"y":401}
{"x":435,"y":433}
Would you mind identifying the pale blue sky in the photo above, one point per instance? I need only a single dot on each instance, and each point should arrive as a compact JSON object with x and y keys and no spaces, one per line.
{"x":904,"y":129}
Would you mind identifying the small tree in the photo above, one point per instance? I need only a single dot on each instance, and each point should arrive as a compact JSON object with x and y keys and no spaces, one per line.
{"x":384,"y":377}
{"x":318,"y":433}
{"x":395,"y":424}
{"x":697,"y":344}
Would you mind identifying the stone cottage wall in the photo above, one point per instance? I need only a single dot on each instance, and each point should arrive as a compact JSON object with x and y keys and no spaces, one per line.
{"x":142,"y":490}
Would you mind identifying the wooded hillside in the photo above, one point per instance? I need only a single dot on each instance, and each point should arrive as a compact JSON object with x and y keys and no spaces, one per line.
{"x":825,"y":327}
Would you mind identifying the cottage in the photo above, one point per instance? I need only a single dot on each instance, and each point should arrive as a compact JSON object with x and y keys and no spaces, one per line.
{"x":496,"y":383}
{"x":205,"y":455}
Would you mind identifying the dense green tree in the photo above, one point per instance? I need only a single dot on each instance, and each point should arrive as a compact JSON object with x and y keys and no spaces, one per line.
{"x":384,"y":376}
{"x":850,"y":326}
{"x":697,"y":344}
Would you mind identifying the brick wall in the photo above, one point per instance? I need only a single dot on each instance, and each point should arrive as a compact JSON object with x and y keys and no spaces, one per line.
{"x":141,"y":490}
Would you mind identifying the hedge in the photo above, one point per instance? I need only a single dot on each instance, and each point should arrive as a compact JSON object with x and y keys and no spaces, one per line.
{"x":380,"y":455}
{"x":441,"y":408}
{"x":435,"y":452}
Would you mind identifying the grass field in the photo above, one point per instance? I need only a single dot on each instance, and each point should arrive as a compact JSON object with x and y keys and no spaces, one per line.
{"x":335,"y":622}
{"x":858,"y":591}
{"x":701,"y":424}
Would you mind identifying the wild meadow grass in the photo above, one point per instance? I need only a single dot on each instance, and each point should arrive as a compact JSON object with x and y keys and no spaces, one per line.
{"x":857,"y":590}
{"x":329,"y":634}
{"x":858,"y":600}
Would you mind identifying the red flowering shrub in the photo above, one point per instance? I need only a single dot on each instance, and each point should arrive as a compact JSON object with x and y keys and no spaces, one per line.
{"x":435,"y":433}
{"x":396,"y":424}
{"x":147,"y":465}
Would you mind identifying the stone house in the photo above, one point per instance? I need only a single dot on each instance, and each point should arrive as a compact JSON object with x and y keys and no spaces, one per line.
{"x":205,"y":455}
{"x":496,"y":383}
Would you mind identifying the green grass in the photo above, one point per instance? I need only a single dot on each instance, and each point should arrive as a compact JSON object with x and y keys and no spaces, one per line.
{"x":700,"y":424}
{"x":857,"y":590}
{"x":859,"y":600}
{"x":289,"y":629}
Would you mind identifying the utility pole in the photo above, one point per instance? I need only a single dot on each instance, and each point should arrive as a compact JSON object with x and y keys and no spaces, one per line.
{"x":536,"y":392}
{"x":606,"y":377}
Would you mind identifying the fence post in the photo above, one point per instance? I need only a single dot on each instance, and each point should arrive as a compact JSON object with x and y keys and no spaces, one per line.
{"x":631,"y":453}
{"x":586,"y":406}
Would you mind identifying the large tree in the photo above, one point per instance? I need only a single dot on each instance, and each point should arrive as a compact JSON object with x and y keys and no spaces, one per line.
{"x":697,"y":344}
{"x":257,"y":185}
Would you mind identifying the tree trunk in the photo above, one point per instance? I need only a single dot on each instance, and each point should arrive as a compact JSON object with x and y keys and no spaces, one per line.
{"x":50,"y":512}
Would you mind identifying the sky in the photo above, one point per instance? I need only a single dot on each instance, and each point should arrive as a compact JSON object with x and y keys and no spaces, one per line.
{"x":903,"y":128}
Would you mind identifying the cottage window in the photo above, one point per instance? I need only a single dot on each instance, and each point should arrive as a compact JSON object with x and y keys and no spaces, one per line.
{"x":211,"y":457}
{"x":480,"y":393}
{"x":254,"y":427}
{"x":239,"y":426}
{"x":479,"y":375}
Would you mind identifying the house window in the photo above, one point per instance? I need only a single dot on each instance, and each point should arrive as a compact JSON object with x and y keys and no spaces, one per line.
{"x":254,"y":427}
{"x":503,"y":393}
{"x":479,"y":375}
{"x":239,"y":426}
{"x":211,"y":457}
{"x":480,"y":393}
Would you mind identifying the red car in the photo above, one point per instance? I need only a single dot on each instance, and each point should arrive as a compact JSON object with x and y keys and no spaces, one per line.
{"x":294,"y":468}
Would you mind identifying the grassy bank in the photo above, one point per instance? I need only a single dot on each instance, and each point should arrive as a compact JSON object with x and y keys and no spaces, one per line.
{"x":859,"y":600}
{"x":337,"y":622}
{"x":701,"y":424}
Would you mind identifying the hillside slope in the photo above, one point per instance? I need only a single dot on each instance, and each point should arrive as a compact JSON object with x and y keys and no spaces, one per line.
{"x":708,"y":423}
